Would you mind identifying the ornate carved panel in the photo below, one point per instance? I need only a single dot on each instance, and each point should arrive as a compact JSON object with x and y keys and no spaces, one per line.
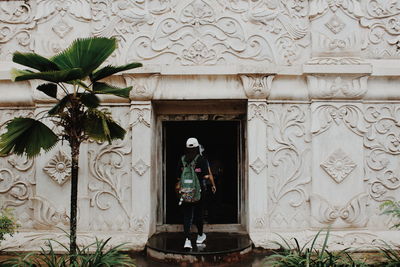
{"x":288,"y":166}
{"x":382,"y":150}
{"x":338,"y":131}
{"x":382,"y":22}
{"x":110,"y":182}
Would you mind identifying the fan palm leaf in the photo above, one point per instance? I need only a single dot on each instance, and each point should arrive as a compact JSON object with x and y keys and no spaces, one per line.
{"x":49,"y":89}
{"x":50,"y":76}
{"x":103,"y":88}
{"x":26,"y":136}
{"x":34,"y":61}
{"x":100,"y":127}
{"x":110,"y":70}
{"x":87,"y":54}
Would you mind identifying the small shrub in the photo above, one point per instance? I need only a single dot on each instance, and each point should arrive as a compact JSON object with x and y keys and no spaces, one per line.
{"x":85,"y":257}
{"x":294,"y":255}
{"x":8,"y":225}
{"x":392,"y":208}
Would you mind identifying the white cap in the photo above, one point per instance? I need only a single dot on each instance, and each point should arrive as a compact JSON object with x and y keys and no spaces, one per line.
{"x":192,"y":142}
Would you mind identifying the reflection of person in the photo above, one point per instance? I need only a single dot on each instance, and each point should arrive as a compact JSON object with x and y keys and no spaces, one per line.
{"x":193,"y":211}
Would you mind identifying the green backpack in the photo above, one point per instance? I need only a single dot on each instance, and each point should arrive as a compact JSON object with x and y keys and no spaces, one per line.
{"x":190,"y":190}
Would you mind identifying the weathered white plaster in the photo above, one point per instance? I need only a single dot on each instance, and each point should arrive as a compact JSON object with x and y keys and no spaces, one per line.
{"x":321,"y":81}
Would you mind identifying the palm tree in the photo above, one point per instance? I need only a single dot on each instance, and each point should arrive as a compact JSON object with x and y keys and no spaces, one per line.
{"x":75,"y":74}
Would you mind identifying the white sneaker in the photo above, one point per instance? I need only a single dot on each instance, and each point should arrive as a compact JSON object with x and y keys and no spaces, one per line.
{"x":201,"y":238}
{"x":188,"y":244}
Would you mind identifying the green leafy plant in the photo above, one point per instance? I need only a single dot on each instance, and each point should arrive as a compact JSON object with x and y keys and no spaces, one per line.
{"x":392,"y":208}
{"x":85,"y":257}
{"x":292,"y":254}
{"x":73,"y":78}
{"x":8,"y":224}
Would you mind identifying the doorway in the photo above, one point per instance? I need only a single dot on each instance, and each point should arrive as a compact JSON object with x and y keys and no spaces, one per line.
{"x":222,"y":143}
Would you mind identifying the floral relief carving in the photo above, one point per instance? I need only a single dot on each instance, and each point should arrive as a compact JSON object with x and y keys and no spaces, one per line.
{"x":258,"y":165}
{"x":257,"y":86}
{"x":382,"y":143}
{"x":47,"y":216}
{"x":335,"y":24}
{"x":204,"y":38}
{"x":139,"y":224}
{"x":382,"y":19}
{"x":285,"y":21}
{"x":350,"y":7}
{"x":288,"y":148}
{"x":257,"y":110}
{"x":140,"y":116}
{"x":338,"y":165}
{"x":327,"y":115}
{"x":142,"y":87}
{"x":338,"y":87}
{"x":16,"y":190}
{"x":353,"y":214}
{"x":16,"y":19}
{"x":141,"y":167}
{"x":110,"y":184}
{"x":59,"y":168}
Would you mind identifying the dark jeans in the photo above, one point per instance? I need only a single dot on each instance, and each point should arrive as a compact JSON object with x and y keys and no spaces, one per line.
{"x":192,"y":212}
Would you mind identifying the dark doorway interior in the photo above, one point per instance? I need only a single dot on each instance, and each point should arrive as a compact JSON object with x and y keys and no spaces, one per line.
{"x":221,"y":142}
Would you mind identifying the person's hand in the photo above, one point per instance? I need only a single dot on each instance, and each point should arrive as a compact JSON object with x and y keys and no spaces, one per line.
{"x":214,"y":189}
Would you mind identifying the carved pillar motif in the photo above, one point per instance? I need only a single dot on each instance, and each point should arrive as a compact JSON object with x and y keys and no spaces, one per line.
{"x":141,"y":113}
{"x":257,"y":158}
{"x":338,"y":170}
{"x":143,"y":87}
{"x":335,"y":86}
{"x":257,"y":86}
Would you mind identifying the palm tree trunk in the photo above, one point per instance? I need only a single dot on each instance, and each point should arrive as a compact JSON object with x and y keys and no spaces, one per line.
{"x":74,"y":197}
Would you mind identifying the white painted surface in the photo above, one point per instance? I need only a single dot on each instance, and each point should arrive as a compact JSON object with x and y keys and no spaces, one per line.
{"x":322,"y":83}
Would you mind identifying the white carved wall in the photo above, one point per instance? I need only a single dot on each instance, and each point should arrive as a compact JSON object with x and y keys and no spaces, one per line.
{"x":322,"y":82}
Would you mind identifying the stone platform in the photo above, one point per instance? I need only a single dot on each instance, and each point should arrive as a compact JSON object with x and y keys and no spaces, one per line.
{"x":218,"y":247}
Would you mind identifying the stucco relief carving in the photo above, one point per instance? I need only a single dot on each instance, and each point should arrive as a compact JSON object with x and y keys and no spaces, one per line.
{"x":338,"y":165}
{"x":141,"y":167}
{"x":285,"y":21}
{"x":288,"y":150}
{"x":258,"y":165}
{"x":108,"y":167}
{"x":257,"y":86}
{"x":17,"y":190}
{"x":139,"y":224}
{"x":142,"y":87}
{"x":382,"y":144}
{"x":59,"y":168}
{"x":16,"y":19}
{"x":257,"y":110}
{"x":382,"y":20}
{"x":352,"y":214}
{"x":350,"y":115}
{"x":328,"y":86}
{"x":197,"y":35}
{"x":335,"y":31}
{"x":47,"y":216}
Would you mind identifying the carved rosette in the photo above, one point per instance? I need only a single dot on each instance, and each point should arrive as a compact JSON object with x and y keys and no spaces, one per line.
{"x":59,"y":168}
{"x":257,"y":86}
{"x":338,"y":165}
{"x":143,"y":87}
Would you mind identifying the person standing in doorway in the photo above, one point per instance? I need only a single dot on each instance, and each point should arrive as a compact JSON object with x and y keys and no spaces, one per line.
{"x":192,"y":205}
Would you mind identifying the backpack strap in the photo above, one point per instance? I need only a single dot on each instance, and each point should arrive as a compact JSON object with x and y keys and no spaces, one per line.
{"x":192,"y":163}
